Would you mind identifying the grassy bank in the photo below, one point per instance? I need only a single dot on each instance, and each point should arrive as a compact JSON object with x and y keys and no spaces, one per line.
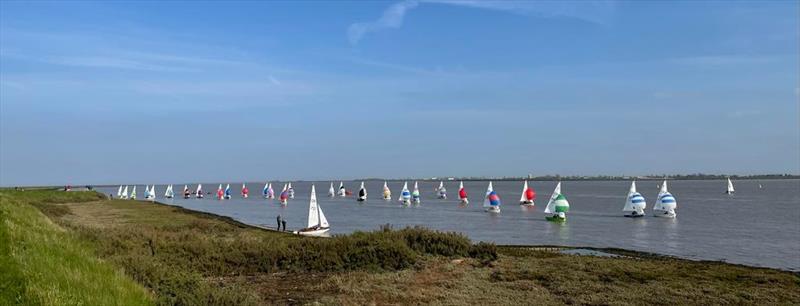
{"x":42,"y":264}
{"x":184,"y":257}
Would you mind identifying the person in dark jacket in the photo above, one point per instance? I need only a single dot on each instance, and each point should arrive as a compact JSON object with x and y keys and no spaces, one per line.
{"x":284,"y":224}
{"x":279,"y":223}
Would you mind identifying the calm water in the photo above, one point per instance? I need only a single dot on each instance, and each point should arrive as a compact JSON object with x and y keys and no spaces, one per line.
{"x":758,"y":227}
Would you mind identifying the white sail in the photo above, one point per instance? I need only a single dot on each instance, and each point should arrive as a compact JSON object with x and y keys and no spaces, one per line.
{"x":331,"y":191}
{"x":405,"y":195}
{"x":315,"y":215}
{"x":291,"y":191}
{"x":387,"y":193}
{"x":362,"y":192}
{"x":415,"y":195}
{"x":199,"y":191}
{"x":119,"y":191}
{"x":634,"y":202}
{"x":133,"y":192}
{"x":124,"y":193}
{"x":486,"y":197}
{"x":551,"y":206}
{"x":665,"y":202}
{"x":169,"y":193}
{"x":441,"y":191}
{"x":730,"y":187}
{"x":342,"y":190}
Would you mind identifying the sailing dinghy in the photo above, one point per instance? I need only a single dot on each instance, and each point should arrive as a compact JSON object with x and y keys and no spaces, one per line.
{"x":133,"y":193}
{"x":284,"y":197}
{"x":387,"y":193}
{"x":291,"y":191}
{"x":227,"y":192}
{"x":405,"y":195}
{"x":362,"y":193}
{"x":342,"y":190}
{"x":634,"y":203}
{"x":147,"y":192}
{"x":317,"y":223}
{"x":558,"y":206}
{"x":415,"y":198}
{"x":730,"y":189}
{"x":462,"y":193}
{"x":665,"y":203}
{"x":124,"y":193}
{"x":245,"y":191}
{"x":119,"y":192}
{"x":199,"y":192}
{"x":220,"y":192}
{"x":169,"y":194}
{"x":491,"y":203}
{"x":527,"y":196}
{"x":186,"y":192}
{"x":331,"y":191}
{"x":441,"y":191}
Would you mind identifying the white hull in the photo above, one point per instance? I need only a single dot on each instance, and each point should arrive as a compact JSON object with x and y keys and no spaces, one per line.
{"x":527,"y":203}
{"x":464,"y":201}
{"x":362,"y":199}
{"x":443,"y":197}
{"x":664,"y":214}
{"x":493,"y":209}
{"x":314,"y":233}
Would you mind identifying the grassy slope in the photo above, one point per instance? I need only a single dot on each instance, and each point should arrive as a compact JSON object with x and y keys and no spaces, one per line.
{"x":200,"y":259}
{"x":41,"y":264}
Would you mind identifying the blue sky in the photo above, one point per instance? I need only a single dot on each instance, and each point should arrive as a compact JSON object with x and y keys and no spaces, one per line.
{"x":151,"y":92}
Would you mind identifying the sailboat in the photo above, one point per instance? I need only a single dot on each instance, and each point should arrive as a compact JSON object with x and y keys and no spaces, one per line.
{"x":186,"y":192}
{"x":119,"y":192}
{"x":387,"y":193}
{"x":634,"y":203}
{"x":491,"y":203}
{"x":462,"y":193}
{"x":441,"y":191}
{"x":558,"y":206}
{"x":169,"y":194}
{"x":124,"y":193}
{"x":331,"y":191}
{"x":405,"y":195}
{"x":665,"y":204}
{"x":527,"y":196}
{"x":270,"y":191}
{"x":133,"y":193}
{"x":147,"y":192}
{"x":220,"y":192}
{"x":284,"y":197}
{"x":317,"y":223}
{"x":415,"y":198}
{"x":199,"y":192}
{"x":362,"y":193}
{"x":342,"y":190}
{"x":245,"y":191}
{"x":227,"y":192}
{"x":730,"y":189}
{"x":291,"y":191}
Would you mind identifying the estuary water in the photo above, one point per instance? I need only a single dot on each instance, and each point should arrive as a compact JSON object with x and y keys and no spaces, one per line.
{"x":755,"y":226}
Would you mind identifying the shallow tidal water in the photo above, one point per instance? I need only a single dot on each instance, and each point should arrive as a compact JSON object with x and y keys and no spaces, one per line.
{"x":756,"y":227}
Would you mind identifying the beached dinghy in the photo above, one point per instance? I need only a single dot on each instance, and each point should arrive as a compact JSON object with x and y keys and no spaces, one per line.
{"x":284,"y":197}
{"x":415,"y":197}
{"x":491,"y":202}
{"x":405,"y":195}
{"x":527,"y":196}
{"x":169,"y":194}
{"x":245,"y":191}
{"x":228,"y":192}
{"x":387,"y":193}
{"x":665,"y":204}
{"x":199,"y":191}
{"x":186,"y":192}
{"x":362,"y":193}
{"x":634,"y":203}
{"x":119,"y":192}
{"x":124,"y":193}
{"x":290,"y":189}
{"x":331,"y":191}
{"x":317,"y":223}
{"x":558,"y":206}
{"x":730,"y":189}
{"x":441,"y":191}
{"x":342,"y":190}
{"x":133,"y":193}
{"x":462,"y":193}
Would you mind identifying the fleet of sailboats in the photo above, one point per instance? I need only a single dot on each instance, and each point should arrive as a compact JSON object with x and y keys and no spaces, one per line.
{"x":634,"y":203}
{"x":527,"y":196}
{"x":491,"y":203}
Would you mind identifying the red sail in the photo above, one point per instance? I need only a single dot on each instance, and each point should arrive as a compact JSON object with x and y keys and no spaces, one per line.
{"x":530,"y":194}
{"x":462,"y":193}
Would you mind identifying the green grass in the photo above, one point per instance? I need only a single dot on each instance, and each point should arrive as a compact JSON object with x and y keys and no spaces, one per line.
{"x":41,"y":264}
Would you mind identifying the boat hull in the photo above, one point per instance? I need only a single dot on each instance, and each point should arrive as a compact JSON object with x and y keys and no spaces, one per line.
{"x":313,"y":232}
{"x":665,"y":214}
{"x":493,"y":209}
{"x":526,"y":203}
{"x":634,"y":216}
{"x":555,"y":219}
{"x":361,"y":199}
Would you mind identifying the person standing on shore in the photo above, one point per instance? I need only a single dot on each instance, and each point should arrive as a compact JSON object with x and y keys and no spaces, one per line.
{"x":279,"y":223}
{"x":284,"y":224}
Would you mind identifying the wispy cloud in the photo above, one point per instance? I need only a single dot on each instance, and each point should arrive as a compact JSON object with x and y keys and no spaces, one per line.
{"x":592,"y":11}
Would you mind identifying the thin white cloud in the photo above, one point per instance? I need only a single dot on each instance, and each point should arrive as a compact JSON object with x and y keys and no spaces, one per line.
{"x":274,"y":80}
{"x":592,"y":11}
{"x":392,"y":18}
